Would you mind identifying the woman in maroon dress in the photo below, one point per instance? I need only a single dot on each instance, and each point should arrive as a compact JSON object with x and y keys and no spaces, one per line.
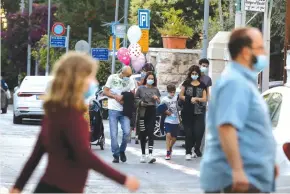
{"x":64,"y":134}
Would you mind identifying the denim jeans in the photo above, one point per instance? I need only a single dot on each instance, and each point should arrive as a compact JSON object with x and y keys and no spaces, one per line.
{"x":114,"y":118}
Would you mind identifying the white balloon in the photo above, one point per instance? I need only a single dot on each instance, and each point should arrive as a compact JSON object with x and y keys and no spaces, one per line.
{"x":134,"y":34}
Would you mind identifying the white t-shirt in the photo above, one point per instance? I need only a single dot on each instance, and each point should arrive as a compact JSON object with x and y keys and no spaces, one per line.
{"x":117,"y":85}
{"x":172,"y":107}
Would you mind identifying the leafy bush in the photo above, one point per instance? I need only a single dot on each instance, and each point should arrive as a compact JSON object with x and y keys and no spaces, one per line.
{"x":174,"y":24}
{"x":105,"y":71}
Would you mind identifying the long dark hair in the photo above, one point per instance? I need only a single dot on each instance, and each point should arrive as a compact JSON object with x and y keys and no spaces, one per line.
{"x":188,"y":79}
{"x":154,"y":77}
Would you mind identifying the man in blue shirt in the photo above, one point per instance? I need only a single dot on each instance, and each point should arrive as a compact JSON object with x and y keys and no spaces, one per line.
{"x":240,"y":150}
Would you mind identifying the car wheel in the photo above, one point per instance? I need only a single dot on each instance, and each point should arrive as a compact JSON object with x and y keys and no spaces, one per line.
{"x":4,"y":110}
{"x":158,"y":134}
{"x":17,"y":120}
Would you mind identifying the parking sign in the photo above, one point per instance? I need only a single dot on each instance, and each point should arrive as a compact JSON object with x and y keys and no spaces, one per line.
{"x":144,"y":18}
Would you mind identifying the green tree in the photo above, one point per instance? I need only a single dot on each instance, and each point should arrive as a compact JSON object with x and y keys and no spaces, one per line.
{"x":39,"y":52}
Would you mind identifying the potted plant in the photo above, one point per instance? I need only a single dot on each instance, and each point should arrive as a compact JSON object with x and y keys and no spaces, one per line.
{"x":174,"y":31}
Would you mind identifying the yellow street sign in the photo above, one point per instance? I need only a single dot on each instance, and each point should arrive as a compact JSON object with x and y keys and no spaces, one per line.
{"x":144,"y":41}
{"x":111,"y":43}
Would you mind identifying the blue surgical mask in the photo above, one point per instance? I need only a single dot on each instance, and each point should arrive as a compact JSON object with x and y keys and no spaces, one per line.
{"x":150,"y":81}
{"x":91,"y":90}
{"x":261,"y":62}
{"x":126,"y":78}
{"x":194,"y":77}
{"x":203,"y":69}
{"x":143,"y":74}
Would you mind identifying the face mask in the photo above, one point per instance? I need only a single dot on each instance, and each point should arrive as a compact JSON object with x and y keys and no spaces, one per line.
{"x":126,"y":78}
{"x":92,"y":88}
{"x":194,"y":77}
{"x":143,"y":74}
{"x":260,"y":62}
{"x":150,"y":81}
{"x":170,"y":97}
{"x":203,"y":69}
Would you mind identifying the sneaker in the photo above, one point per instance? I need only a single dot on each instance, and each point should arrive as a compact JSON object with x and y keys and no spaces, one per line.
{"x":198,"y":153}
{"x":94,"y":142}
{"x":188,"y":157}
{"x":123,"y":157}
{"x":116,"y":159}
{"x":194,"y":155}
{"x":151,"y":159}
{"x":168,"y":156}
{"x":143,"y":159}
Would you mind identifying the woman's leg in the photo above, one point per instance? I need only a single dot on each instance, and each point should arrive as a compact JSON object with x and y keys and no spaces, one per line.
{"x":150,"y":125}
{"x":188,"y":136}
{"x":142,"y":135}
{"x":199,"y":128}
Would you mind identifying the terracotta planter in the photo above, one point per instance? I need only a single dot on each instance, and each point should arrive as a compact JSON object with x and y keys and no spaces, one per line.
{"x":174,"y":42}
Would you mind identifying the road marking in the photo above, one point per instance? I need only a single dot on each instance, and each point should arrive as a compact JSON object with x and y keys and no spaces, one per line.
{"x":170,"y":164}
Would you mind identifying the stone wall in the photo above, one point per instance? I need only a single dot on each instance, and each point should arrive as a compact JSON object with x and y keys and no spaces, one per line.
{"x":172,"y":64}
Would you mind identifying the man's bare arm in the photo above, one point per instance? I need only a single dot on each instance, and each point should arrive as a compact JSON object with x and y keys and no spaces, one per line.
{"x":230,"y":146}
{"x":108,"y":93}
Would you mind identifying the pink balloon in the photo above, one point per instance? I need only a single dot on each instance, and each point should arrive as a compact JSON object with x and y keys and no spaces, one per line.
{"x":123,"y":55}
{"x":134,"y":50}
{"x":138,"y":62}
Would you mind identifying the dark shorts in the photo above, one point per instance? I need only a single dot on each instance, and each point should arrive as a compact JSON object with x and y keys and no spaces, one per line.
{"x":173,"y":129}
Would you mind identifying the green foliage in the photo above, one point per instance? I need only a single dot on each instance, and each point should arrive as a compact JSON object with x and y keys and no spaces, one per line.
{"x":39,"y":52}
{"x":105,"y":71}
{"x":192,"y":15}
{"x":10,"y":6}
{"x":174,"y":24}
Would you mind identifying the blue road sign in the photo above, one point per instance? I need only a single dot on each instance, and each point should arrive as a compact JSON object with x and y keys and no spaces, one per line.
{"x":101,"y":54}
{"x":144,"y":18}
{"x":58,"y":41}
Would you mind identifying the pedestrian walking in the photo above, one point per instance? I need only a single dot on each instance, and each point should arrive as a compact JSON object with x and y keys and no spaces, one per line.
{"x":148,"y":67}
{"x":116,"y":85}
{"x":193,"y":95}
{"x":149,"y":96}
{"x":204,"y":65}
{"x":206,"y":80}
{"x":240,"y":151}
{"x":64,"y":134}
{"x":172,"y":119}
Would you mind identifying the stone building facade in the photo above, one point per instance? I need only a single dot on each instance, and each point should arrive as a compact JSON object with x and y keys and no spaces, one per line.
{"x":172,"y":64}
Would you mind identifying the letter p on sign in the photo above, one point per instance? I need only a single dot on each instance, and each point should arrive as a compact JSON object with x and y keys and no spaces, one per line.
{"x":144,"y":18}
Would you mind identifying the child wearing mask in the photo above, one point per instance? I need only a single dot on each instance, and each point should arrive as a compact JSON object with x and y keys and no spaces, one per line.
{"x":171,"y":120}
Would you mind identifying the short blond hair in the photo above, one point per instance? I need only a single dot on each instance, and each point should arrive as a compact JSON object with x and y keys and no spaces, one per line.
{"x":69,"y":74}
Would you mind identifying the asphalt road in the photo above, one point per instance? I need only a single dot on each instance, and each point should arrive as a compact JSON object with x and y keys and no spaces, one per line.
{"x":175,"y":176}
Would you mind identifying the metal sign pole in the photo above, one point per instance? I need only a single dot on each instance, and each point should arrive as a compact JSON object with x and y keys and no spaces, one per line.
{"x":114,"y":38}
{"x":48,"y":39}
{"x":266,"y":72}
{"x":205,"y":29}
{"x":67,"y":38}
{"x":126,"y":8}
{"x":29,"y":40}
{"x":90,"y":38}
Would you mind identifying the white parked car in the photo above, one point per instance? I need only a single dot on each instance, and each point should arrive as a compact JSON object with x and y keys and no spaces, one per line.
{"x":278,"y":100}
{"x":27,"y":98}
